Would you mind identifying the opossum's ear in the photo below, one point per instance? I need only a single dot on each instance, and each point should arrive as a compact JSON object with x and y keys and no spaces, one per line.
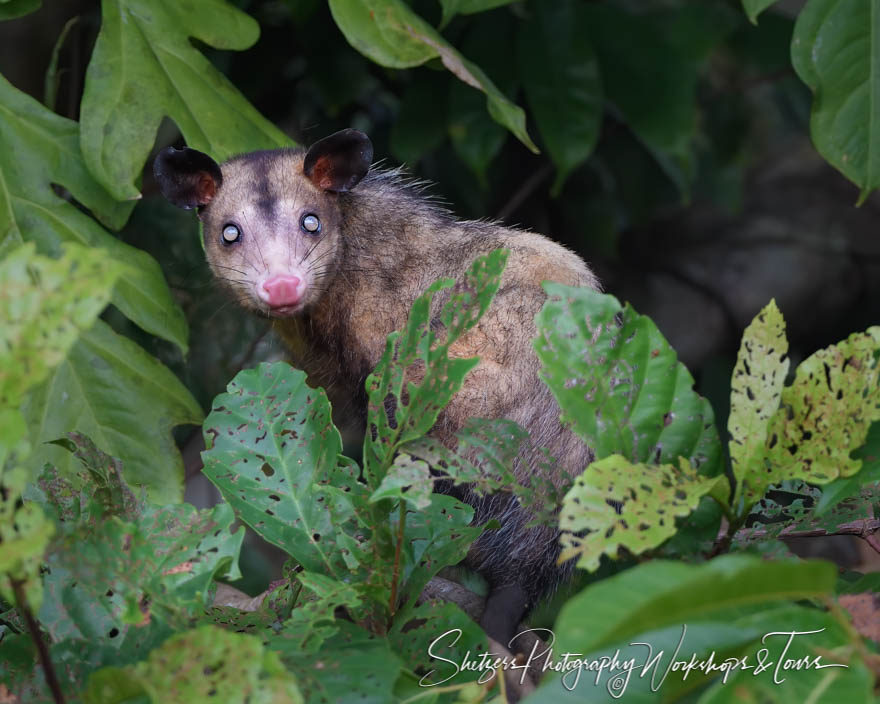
{"x":188,"y":178}
{"x":338,"y":162}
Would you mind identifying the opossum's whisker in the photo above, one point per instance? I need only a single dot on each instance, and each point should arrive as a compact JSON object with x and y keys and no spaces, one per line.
{"x":231,"y":268}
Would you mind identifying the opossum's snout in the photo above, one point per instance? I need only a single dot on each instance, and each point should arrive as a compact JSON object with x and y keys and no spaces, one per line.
{"x":282,"y":291}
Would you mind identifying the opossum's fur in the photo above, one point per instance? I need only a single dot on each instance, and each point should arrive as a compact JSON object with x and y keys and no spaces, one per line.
{"x":382,"y":244}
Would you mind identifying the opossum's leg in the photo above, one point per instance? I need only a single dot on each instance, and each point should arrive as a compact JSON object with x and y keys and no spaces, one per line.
{"x":505,"y":608}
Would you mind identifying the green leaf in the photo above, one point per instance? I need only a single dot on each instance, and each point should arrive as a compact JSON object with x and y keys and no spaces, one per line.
{"x":273,"y":453}
{"x":753,"y":8}
{"x":195,"y":666}
{"x":662,"y":593}
{"x":651,"y":85}
{"x":649,"y":498}
{"x":836,"y":51}
{"x":408,"y":479}
{"x":419,"y":349}
{"x":467,"y":7}
{"x":619,"y":384}
{"x":756,"y":388}
{"x":18,"y":8}
{"x":826,"y":413}
{"x":38,"y":295}
{"x":843,"y":488}
{"x":314,"y":620}
{"x":561,"y":78}
{"x":113,"y":391}
{"x":109,"y":578}
{"x":392,"y":35}
{"x":39,"y":148}
{"x":145,"y":67}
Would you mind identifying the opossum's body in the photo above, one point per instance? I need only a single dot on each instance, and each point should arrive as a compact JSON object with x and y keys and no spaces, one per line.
{"x":338,"y":291}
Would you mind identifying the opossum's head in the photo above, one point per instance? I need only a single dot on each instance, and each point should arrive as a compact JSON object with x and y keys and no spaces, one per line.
{"x":271,"y":219}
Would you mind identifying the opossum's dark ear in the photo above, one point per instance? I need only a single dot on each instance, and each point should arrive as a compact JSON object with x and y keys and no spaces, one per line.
{"x":340,"y":161}
{"x":188,"y":178}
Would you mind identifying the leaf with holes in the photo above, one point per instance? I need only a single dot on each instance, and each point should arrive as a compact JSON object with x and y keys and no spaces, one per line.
{"x":825,"y":414}
{"x":314,"y":619}
{"x":409,"y":479}
{"x":38,"y":149}
{"x":109,"y":577}
{"x":649,"y":498}
{"x":194,"y":666}
{"x":418,"y":349}
{"x":38,"y":295}
{"x":835,"y":50}
{"x":619,"y":384}
{"x":756,"y":388}
{"x":392,"y":35}
{"x":144,"y":67}
{"x":274,"y":454}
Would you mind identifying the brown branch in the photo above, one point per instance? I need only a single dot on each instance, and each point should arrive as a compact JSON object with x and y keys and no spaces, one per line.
{"x":529,"y":186}
{"x":864,"y":528}
{"x":34,"y":628}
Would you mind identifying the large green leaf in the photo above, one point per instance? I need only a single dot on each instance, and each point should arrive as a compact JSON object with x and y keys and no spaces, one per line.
{"x":145,"y":67}
{"x":562,"y":82}
{"x":113,"y":391}
{"x":836,"y":52}
{"x":756,"y":389}
{"x":723,"y":605}
{"x":648,"y":499}
{"x":619,"y":384}
{"x":195,"y":667}
{"x":392,"y":35}
{"x":274,"y":453}
{"x":651,"y":85}
{"x":37,"y":149}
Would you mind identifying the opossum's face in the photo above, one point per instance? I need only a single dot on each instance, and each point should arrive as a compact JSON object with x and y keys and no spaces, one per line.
{"x":271,"y":219}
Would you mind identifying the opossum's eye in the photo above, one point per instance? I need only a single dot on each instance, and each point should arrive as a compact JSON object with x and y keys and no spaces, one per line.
{"x":310,"y":224}
{"x":230,"y":234}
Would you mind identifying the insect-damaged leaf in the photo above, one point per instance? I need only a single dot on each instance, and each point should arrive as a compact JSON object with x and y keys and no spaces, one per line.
{"x":314,"y":619}
{"x":273,"y":453}
{"x":392,"y":35}
{"x":197,"y":665}
{"x":835,"y":50}
{"x":619,"y":384}
{"x":145,"y":67}
{"x":38,"y":294}
{"x":826,"y":413}
{"x":649,"y":498}
{"x":756,"y":388}
{"x":396,"y":416}
{"x":106,"y":574}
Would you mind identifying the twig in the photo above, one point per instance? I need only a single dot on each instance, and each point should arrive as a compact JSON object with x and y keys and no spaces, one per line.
{"x":864,"y":528}
{"x":524,"y":191}
{"x":34,"y":628}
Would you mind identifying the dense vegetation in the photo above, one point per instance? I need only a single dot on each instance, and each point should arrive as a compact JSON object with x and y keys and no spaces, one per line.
{"x":109,"y":581}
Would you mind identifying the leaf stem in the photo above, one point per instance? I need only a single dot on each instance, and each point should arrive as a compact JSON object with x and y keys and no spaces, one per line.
{"x":34,"y":629}
{"x":401,"y":521}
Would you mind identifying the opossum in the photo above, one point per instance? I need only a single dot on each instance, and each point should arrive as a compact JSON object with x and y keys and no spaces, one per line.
{"x":336,"y":253}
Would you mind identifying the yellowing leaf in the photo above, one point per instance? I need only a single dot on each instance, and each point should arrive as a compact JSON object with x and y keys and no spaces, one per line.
{"x":756,"y":388}
{"x":649,"y":498}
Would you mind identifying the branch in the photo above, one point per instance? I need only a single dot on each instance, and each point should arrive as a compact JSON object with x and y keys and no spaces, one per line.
{"x":34,"y":629}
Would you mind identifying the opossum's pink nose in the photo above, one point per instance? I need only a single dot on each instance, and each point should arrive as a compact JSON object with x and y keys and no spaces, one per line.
{"x":283,"y":290}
